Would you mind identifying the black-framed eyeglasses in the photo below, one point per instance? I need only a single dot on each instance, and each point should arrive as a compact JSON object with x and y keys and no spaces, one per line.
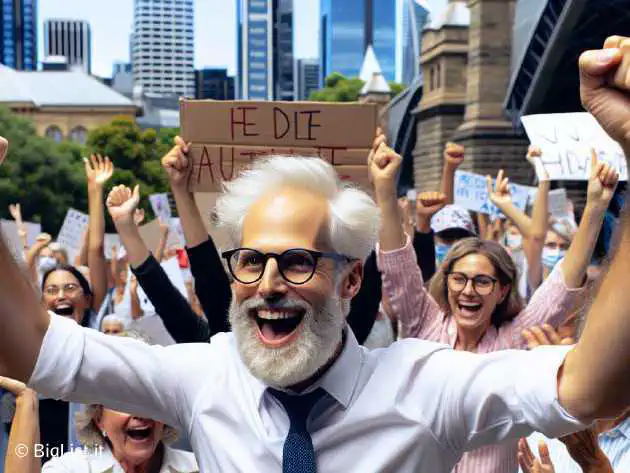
{"x":482,"y":284}
{"x":296,"y":265}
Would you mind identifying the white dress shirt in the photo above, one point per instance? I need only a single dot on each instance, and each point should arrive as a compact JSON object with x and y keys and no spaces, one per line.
{"x":415,"y":406}
{"x":103,"y":461}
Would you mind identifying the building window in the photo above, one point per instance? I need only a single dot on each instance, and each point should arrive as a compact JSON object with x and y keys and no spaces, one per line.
{"x":79,"y":134}
{"x":54,"y":133}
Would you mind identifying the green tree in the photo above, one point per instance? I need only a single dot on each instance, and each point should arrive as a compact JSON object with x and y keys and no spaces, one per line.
{"x":45,"y":177}
{"x":136,"y":155}
{"x":339,"y":88}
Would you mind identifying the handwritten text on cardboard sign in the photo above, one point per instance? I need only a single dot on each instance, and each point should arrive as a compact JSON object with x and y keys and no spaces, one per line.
{"x":227,"y":136}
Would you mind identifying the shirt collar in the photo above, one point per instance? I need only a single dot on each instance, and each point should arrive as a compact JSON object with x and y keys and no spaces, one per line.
{"x":341,"y":378}
{"x":104,"y":462}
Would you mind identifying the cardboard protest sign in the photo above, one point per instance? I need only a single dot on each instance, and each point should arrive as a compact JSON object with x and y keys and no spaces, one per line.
{"x":72,"y":230}
{"x":227,"y":136}
{"x":12,"y":237}
{"x":471,"y":193}
{"x":161,"y":206}
{"x":566,"y":140}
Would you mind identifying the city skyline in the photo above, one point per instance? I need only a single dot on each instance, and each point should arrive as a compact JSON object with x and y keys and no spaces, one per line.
{"x":111,"y":23}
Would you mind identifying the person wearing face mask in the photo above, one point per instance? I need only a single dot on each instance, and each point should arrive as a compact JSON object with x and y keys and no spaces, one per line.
{"x":473,"y":304}
{"x":557,"y":243}
{"x":450,"y":225}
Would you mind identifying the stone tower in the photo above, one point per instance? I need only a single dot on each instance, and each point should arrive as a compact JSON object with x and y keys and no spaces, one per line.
{"x":490,"y":140}
{"x":441,"y":111}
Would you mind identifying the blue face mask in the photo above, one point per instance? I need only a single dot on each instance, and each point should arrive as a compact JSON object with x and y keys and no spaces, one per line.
{"x":46,"y":263}
{"x":551,"y":257}
{"x":441,"y":250}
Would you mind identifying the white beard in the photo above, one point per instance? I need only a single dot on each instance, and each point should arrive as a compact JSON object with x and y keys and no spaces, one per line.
{"x":319,"y":338}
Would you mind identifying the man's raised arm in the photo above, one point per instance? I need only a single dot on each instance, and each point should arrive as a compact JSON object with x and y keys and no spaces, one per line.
{"x":595,"y":380}
{"x":23,"y":320}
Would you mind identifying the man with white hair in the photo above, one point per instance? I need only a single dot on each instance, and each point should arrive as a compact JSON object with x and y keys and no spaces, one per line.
{"x":290,"y":389}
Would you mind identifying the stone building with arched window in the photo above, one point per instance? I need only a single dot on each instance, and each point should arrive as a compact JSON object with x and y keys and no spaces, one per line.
{"x":63,"y":104}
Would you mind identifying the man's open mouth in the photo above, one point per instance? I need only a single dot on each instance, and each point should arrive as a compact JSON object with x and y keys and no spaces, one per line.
{"x":278,"y":327}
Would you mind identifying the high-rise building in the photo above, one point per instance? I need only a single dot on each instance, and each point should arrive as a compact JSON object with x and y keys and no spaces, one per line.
{"x":392,"y":27}
{"x":342,"y":37}
{"x":214,"y":84}
{"x":265,"y":49}
{"x":18,"y":34}
{"x":306,"y":78}
{"x":163,"y":46}
{"x":412,"y":17}
{"x":71,"y":39}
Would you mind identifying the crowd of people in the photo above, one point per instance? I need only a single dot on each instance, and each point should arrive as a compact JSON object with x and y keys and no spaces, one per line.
{"x":340,"y":331}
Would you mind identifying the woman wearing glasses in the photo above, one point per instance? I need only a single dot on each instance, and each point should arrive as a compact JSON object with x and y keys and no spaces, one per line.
{"x":472,"y":302}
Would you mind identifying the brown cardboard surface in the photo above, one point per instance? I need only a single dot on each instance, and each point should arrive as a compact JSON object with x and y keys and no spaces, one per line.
{"x":212,"y":165}
{"x":227,"y":136}
{"x":282,"y":124}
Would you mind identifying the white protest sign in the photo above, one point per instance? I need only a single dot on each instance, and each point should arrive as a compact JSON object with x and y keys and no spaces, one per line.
{"x":566,"y":140}
{"x":71,"y":233}
{"x":10,"y":231}
{"x":152,"y":327}
{"x":161,"y":207}
{"x":471,"y":193}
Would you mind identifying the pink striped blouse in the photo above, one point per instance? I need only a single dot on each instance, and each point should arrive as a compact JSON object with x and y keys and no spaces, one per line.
{"x":421,"y":317}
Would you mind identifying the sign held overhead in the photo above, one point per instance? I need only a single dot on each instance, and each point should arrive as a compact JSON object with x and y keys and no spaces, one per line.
{"x":227,"y":136}
{"x":566,"y":141}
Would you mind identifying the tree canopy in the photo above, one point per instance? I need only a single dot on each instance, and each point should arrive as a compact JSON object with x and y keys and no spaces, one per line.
{"x":339,"y":88}
{"x":47,"y":178}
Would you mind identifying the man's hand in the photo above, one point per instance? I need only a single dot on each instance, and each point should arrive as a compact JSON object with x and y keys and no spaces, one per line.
{"x":98,"y":170}
{"x":4,"y":147}
{"x":602,"y":183}
{"x":543,"y":336}
{"x":122,"y":204}
{"x":176,"y":164}
{"x":499,"y":194}
{"x":427,"y":205}
{"x":529,"y":463}
{"x":42,"y":241}
{"x":453,"y":156}
{"x":383,"y":164}
{"x":605,"y":87}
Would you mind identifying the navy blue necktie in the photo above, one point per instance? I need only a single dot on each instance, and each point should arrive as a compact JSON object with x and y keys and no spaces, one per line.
{"x":298,"y":454}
